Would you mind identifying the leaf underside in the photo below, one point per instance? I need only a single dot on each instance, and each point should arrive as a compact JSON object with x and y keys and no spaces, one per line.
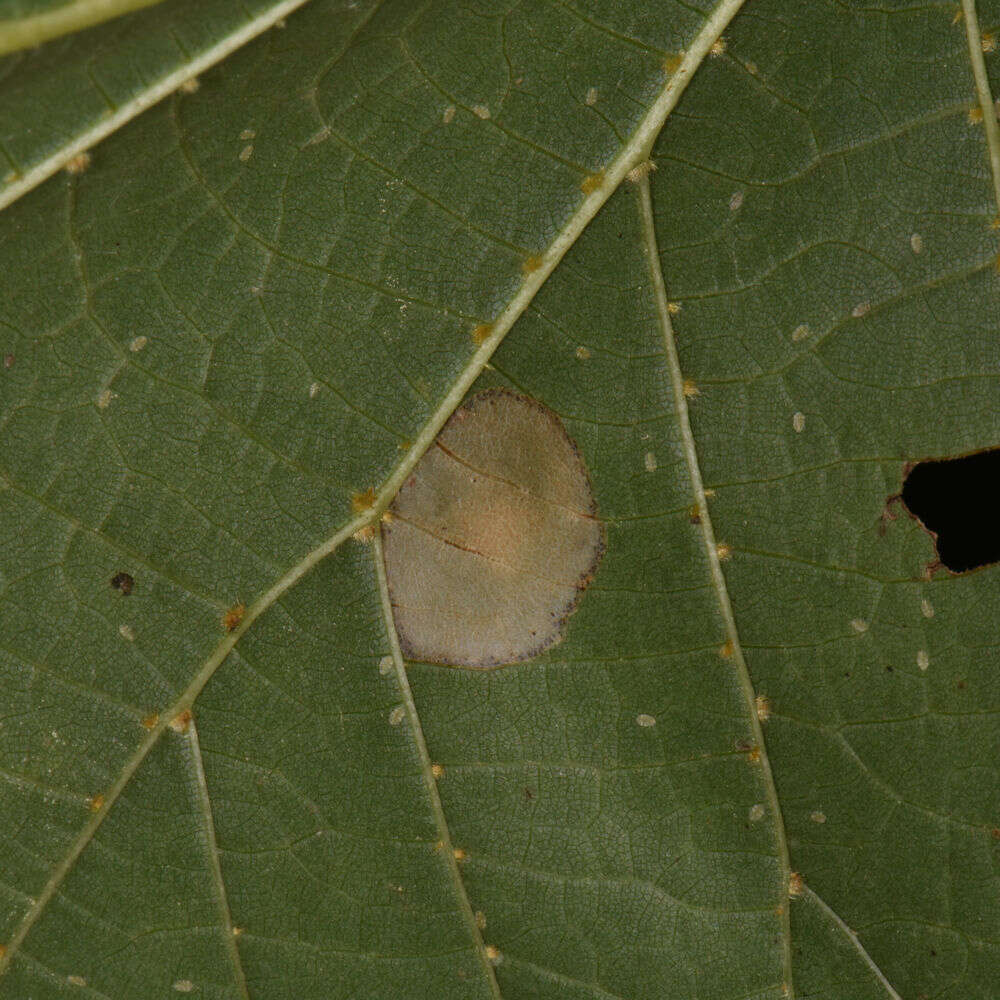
{"x":246,"y":311}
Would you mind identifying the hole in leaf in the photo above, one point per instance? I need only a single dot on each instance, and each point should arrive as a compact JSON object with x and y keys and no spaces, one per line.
{"x":493,"y":538}
{"x":956,"y":501}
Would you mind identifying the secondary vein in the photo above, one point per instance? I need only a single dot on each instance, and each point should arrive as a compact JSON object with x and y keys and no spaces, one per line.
{"x":983,"y":92}
{"x":711,"y":550}
{"x":205,"y":806}
{"x":445,"y":845}
{"x":853,"y":938}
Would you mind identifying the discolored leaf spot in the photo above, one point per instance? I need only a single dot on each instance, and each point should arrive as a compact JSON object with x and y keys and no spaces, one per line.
{"x":123,"y":582}
{"x":955,"y":500}
{"x":493,"y":538}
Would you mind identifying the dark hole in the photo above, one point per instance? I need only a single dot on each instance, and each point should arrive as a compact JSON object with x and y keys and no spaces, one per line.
{"x":957,"y":500}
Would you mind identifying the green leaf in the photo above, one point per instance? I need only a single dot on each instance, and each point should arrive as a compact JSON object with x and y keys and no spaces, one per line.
{"x":229,"y":338}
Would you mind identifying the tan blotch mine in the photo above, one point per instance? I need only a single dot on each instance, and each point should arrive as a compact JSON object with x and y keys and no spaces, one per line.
{"x":449,"y":114}
{"x":989,"y":41}
{"x":673,"y":62}
{"x":481,"y":332}
{"x":494,"y":536}
{"x":397,"y":715}
{"x":975,"y":115}
{"x":736,"y":201}
{"x":76,"y":981}
{"x":493,"y":953}
{"x":923,"y":660}
{"x":438,"y":771}
{"x":386,"y":666}
{"x":718,"y":47}
{"x":861,"y":309}
{"x":95,"y":803}
{"x":126,"y":632}
{"x":591,"y":99}
{"x":673,"y":308}
{"x":796,"y":885}
{"x":916,"y":243}
{"x":481,"y":111}
{"x":531,"y":264}
{"x":817,"y":817}
{"x":690,"y":389}
{"x":926,"y":608}
{"x":150,"y":721}
{"x":756,"y":812}
{"x":583,"y":353}
{"x":798,"y":422}
{"x":859,"y":625}
{"x":723,"y":551}
{"x":481,"y":920}
{"x":763,"y":707}
{"x":137,"y":344}
{"x":190,"y":85}
{"x":800,"y":333}
{"x":592,"y":182}
{"x":246,"y":152}
{"x":184,"y":986}
{"x":646,"y":721}
{"x":649,"y":462}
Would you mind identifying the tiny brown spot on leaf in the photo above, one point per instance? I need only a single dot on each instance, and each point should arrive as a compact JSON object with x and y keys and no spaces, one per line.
{"x":123,"y":582}
{"x":180,"y":722}
{"x":361,"y":502}
{"x":493,"y":538}
{"x":234,"y":616}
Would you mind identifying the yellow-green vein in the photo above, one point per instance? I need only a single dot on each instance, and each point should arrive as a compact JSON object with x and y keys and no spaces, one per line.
{"x":651,"y":248}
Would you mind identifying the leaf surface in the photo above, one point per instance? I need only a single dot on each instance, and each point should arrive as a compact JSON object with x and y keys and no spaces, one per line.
{"x":763,"y":760}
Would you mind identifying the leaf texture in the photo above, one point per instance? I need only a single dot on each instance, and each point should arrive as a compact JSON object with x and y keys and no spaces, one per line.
{"x":762,"y":763}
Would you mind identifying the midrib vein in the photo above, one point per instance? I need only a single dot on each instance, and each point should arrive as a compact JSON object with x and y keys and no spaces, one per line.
{"x":651,"y":250}
{"x":444,"y":844}
{"x":983,"y":93}
{"x":635,"y":151}
{"x":204,"y":804}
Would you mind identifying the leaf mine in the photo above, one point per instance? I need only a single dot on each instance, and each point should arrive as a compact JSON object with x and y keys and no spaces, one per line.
{"x":493,"y":537}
